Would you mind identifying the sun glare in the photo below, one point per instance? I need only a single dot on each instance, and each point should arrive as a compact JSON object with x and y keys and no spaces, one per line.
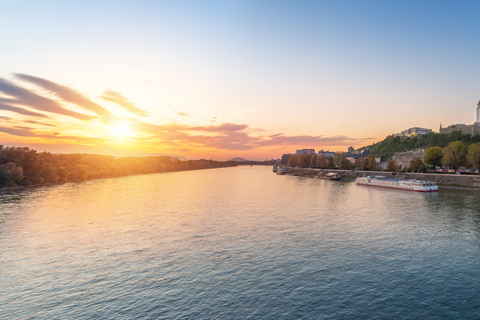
{"x":120,"y":130}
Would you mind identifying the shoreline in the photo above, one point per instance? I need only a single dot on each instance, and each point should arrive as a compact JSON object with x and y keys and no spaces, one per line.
{"x":456,"y":181}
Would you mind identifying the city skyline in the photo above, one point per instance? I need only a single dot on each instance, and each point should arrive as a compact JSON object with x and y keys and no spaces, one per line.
{"x":224,"y":79}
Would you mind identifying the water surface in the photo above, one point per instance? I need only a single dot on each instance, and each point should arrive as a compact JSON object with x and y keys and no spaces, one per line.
{"x":237,"y":243}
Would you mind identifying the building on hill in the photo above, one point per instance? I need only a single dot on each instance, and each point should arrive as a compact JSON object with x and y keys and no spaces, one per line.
{"x":472,"y":129}
{"x":411,"y":132}
{"x":327,"y":154}
{"x":305,"y":151}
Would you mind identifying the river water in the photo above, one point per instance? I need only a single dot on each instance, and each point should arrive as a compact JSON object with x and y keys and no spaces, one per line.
{"x":237,"y":243}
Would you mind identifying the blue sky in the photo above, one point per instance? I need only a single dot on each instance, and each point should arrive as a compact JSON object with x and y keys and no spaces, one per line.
{"x":286,"y":74}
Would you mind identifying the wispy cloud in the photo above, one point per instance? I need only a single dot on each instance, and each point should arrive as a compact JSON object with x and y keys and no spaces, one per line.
{"x":182,"y":114}
{"x":69,"y":95}
{"x":117,"y":98}
{"x":27,"y":98}
{"x":40,"y":123}
{"x":21,"y":111}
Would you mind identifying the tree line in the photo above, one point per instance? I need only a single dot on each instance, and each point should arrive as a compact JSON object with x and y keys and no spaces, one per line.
{"x":455,"y":155}
{"x":22,"y":166}
{"x":390,"y":145}
{"x":339,"y":160}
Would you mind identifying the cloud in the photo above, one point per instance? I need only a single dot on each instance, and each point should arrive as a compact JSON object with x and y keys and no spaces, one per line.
{"x":19,"y":131}
{"x":29,"y":132}
{"x":221,"y":128}
{"x":41,"y":123}
{"x":119,"y":99}
{"x":25,"y":97}
{"x":21,"y":111}
{"x":229,"y":136}
{"x":367,"y":115}
{"x":69,"y":95}
{"x":182,"y":114}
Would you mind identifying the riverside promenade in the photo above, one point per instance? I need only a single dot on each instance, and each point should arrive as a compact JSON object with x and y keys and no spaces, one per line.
{"x":447,"y":180}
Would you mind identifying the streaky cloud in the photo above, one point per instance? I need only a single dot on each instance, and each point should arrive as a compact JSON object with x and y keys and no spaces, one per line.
{"x":41,"y":123}
{"x":224,"y":127}
{"x":68,"y":94}
{"x":21,"y":111}
{"x":117,"y":98}
{"x":27,"y":98}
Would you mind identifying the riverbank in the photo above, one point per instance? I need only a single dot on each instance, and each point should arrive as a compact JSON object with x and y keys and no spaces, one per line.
{"x":445,"y":180}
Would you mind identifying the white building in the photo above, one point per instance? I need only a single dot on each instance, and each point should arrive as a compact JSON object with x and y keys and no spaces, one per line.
{"x":478,"y":113}
{"x":414,"y":131}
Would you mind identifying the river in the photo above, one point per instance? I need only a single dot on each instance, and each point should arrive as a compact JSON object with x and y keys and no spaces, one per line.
{"x":237,"y":243}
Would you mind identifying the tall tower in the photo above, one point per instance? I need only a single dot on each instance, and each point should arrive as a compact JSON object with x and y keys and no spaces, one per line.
{"x":478,"y":113}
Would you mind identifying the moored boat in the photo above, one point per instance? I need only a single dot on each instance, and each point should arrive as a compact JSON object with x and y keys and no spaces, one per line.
{"x":329,"y":176}
{"x":400,"y":183}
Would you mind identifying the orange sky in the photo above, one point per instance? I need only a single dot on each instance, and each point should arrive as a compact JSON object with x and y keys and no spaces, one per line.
{"x":49,"y":116}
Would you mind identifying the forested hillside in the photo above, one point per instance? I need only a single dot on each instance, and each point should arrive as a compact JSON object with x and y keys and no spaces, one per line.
{"x":22,"y":166}
{"x":390,"y":145}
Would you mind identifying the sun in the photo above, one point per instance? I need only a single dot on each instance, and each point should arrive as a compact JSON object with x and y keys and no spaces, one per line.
{"x":120,"y":130}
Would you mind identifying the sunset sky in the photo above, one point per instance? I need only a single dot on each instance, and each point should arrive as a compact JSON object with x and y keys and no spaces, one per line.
{"x":223,"y":79}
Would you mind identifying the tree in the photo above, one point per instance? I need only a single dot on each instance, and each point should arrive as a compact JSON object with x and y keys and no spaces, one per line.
{"x":417,"y":165}
{"x":369,"y":163}
{"x":330,"y":163}
{"x":455,"y":155}
{"x":473,"y":156}
{"x":292,"y":161}
{"x":392,"y":165}
{"x":336,"y":159}
{"x":321,"y":161}
{"x":433,"y":157}
{"x":344,"y":164}
{"x":313,"y":161}
{"x":304,"y":160}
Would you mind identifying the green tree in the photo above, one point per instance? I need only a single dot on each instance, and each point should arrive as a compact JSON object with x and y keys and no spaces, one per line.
{"x":304,"y":160}
{"x":473,"y":156}
{"x":455,"y":155}
{"x":321,"y":161}
{"x":344,"y":164}
{"x":330,"y":163}
{"x":392,"y":165}
{"x":433,"y":157}
{"x":417,"y":165}
{"x":369,"y":163}
{"x":10,"y":175}
{"x":313,"y":161}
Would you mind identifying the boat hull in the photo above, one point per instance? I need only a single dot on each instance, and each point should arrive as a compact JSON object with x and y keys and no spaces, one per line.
{"x":396,"y":188}
{"x":397,"y":184}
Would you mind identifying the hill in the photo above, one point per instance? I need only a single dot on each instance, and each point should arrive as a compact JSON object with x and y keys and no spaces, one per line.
{"x":391,"y":145}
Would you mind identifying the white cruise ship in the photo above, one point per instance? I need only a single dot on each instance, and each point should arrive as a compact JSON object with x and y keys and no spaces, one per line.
{"x":400,"y":183}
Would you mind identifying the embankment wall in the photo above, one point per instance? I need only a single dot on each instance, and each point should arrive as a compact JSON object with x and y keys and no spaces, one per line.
{"x":459,"y":180}
{"x":454,"y":180}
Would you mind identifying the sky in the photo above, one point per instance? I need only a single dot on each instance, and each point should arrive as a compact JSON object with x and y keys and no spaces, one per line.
{"x":224,"y":79}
